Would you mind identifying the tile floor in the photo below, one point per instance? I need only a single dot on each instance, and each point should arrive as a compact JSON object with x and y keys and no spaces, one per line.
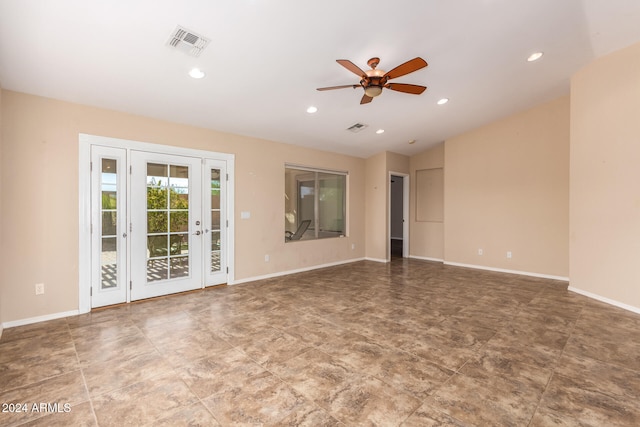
{"x":410,"y":343}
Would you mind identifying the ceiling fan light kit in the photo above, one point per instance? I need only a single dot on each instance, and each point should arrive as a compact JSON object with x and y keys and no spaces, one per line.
{"x":374,"y":80}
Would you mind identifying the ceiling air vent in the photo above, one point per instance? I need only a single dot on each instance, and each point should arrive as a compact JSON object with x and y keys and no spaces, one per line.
{"x":187,"y":41}
{"x":356,"y":128}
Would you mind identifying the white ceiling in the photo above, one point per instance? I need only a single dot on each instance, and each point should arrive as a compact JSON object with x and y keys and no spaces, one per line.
{"x":267,"y":57}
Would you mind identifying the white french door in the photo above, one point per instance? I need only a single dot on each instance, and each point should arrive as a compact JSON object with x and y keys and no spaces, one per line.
{"x":108,"y":226}
{"x":215,"y":221}
{"x":159,"y":224}
{"x":166,"y":224}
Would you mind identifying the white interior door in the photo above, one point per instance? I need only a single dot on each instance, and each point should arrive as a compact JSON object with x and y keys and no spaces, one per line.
{"x":215,"y":221}
{"x":166,"y":224}
{"x":108,"y":226}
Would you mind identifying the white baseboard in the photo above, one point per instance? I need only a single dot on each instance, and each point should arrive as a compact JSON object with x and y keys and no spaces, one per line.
{"x":502,"y":270}
{"x":37,"y":319}
{"x":424,"y":258}
{"x":605,"y":300}
{"x":376,"y":260}
{"x":297,"y":270}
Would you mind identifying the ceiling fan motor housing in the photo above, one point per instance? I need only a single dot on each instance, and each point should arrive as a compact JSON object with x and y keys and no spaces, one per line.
{"x":374,"y":82}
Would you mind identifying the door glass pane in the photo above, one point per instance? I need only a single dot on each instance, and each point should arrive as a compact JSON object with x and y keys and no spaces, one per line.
{"x":179,"y":188}
{"x":157,"y":269}
{"x":215,"y":220}
{"x":108,"y":226}
{"x":179,"y":221}
{"x":215,"y":241}
{"x":179,"y":267}
{"x":109,"y":223}
{"x":108,"y":263}
{"x":157,"y":222}
{"x":157,"y":246}
{"x":179,"y":244}
{"x":167,"y":221}
{"x":215,"y":189}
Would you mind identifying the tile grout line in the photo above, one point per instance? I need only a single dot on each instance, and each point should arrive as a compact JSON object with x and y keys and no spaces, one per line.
{"x":555,"y":366}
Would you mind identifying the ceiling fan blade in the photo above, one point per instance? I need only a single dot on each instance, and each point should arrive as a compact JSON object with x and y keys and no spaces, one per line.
{"x":406,"y":68}
{"x":365,"y":99}
{"x":338,"y":87}
{"x":406,"y":88}
{"x":351,"y":67}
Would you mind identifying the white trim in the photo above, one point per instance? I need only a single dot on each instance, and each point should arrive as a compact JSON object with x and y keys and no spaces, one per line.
{"x":315,"y":169}
{"x":297,"y":270}
{"x":406,"y":193}
{"x":152,"y":147}
{"x":84,"y":226}
{"x":37,"y":319}
{"x":231,"y":217}
{"x":605,"y":300}
{"x":384,"y":261}
{"x":424,"y":258}
{"x":502,"y":270}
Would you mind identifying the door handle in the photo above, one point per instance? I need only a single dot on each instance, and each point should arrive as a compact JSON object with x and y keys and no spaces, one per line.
{"x":197,"y":233}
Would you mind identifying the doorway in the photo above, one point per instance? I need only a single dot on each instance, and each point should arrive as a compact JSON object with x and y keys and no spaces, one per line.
{"x":159,"y":221}
{"x":398,"y":216}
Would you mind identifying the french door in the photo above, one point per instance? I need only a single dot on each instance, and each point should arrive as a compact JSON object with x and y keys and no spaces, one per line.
{"x":159,"y":224}
{"x":108,"y":226}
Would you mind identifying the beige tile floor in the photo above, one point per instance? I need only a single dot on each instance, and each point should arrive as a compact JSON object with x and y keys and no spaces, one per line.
{"x":411,"y":343}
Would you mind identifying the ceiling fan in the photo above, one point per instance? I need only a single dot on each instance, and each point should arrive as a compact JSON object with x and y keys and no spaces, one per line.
{"x":374,"y":80}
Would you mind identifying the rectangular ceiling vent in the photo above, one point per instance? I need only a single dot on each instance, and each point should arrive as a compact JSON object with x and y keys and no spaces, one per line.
{"x":356,"y":128}
{"x":187,"y":41}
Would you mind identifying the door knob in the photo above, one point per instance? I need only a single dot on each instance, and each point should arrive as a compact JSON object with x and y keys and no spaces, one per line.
{"x":197,"y":233}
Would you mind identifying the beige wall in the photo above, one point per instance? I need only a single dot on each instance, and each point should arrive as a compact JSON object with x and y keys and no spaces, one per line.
{"x":426,"y":237}
{"x":39,"y":222}
{"x":507,"y":189}
{"x":605,"y":178}
{"x":377,"y":201}
{"x":396,"y":163}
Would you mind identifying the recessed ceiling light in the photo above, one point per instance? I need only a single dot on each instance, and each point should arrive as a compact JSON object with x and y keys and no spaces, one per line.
{"x":379,"y":131}
{"x":412,"y":141}
{"x":443,"y":101}
{"x":196,"y":73}
{"x":535,"y":56}
{"x":312,"y":109}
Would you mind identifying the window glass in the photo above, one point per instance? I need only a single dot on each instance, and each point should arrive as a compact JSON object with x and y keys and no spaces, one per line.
{"x":315,"y":204}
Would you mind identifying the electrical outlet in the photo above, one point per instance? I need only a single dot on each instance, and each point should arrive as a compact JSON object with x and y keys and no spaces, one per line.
{"x":509,"y":254}
{"x":480,"y":252}
{"x":267,"y":258}
{"x":353,"y":246}
{"x":39,"y":288}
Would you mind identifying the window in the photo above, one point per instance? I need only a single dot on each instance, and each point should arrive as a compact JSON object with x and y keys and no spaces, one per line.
{"x":316,"y":200}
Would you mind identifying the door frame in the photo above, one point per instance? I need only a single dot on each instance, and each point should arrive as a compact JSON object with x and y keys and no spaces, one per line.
{"x":85,"y":141}
{"x":405,"y":214}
